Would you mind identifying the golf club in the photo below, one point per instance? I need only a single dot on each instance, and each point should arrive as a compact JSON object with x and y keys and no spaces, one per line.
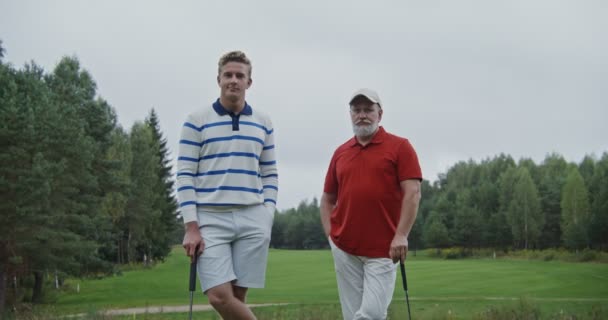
{"x":193,"y":279}
{"x":407,"y":298}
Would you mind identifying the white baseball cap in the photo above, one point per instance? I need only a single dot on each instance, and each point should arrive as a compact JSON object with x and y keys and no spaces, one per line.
{"x":370,"y":94}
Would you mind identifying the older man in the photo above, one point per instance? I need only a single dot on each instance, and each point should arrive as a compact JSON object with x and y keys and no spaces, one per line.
{"x":369,"y":204}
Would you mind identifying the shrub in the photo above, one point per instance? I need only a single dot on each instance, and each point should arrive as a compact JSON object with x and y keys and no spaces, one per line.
{"x":561,"y":254}
{"x":523,"y":310}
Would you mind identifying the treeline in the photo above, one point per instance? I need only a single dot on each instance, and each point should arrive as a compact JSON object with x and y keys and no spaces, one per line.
{"x":78,"y":194}
{"x":299,"y":228}
{"x":496,"y":203}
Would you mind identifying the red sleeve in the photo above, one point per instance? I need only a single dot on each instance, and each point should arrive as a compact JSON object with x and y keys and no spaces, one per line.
{"x":408,"y":165}
{"x":331,"y":179}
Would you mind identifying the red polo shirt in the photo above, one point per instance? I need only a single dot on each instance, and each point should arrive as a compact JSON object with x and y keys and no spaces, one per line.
{"x":367,"y":180}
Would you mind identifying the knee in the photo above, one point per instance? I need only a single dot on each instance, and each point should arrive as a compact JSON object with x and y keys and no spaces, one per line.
{"x":218,"y":299}
{"x":371,"y":313}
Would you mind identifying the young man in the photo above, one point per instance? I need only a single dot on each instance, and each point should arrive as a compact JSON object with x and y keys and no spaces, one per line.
{"x":368,"y":207}
{"x":227,"y":188}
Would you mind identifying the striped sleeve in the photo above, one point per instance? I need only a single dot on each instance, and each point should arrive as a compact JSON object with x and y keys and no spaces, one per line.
{"x":187,"y":168}
{"x":268,"y":168}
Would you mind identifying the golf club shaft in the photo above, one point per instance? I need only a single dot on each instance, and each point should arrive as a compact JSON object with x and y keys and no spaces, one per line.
{"x":407,"y":298}
{"x":192,"y":284}
{"x":191,"y":301}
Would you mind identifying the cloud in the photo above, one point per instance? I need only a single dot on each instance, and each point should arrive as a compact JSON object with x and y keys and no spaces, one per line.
{"x":466,"y":79}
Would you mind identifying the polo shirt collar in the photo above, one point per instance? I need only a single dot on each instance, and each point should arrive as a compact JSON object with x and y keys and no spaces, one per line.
{"x":222,"y":111}
{"x":377,"y":139}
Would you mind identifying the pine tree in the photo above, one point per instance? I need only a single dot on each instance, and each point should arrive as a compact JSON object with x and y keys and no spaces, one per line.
{"x":167,"y":204}
{"x":49,"y":156}
{"x":74,"y":89}
{"x":114,"y":203}
{"x":142,"y":213}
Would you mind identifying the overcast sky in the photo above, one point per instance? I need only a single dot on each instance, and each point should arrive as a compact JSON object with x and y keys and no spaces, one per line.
{"x":460,"y":79}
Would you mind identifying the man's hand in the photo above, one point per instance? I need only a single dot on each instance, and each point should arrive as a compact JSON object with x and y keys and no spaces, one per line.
{"x":193,"y":240}
{"x":398,"y":249}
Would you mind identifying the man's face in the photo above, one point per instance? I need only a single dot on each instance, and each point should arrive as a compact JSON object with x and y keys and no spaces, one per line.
{"x":234,"y":80}
{"x":365,"y":116}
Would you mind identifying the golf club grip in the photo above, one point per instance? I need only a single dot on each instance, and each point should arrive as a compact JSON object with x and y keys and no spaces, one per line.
{"x":193,"y":270}
{"x":193,"y":274}
{"x":403,"y":275}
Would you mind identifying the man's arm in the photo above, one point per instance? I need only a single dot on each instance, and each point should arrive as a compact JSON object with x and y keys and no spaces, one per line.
{"x":409,"y":209}
{"x":328,"y":202}
{"x":268,"y":169}
{"x":187,"y":168}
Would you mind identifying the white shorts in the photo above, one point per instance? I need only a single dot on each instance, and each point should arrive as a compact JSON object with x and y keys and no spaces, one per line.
{"x":236,"y":246}
{"x":365,"y":285}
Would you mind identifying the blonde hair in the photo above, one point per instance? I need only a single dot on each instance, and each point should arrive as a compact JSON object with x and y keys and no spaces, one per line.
{"x":233,"y":56}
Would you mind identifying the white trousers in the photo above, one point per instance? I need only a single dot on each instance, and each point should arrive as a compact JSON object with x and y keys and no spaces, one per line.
{"x":366,"y":285}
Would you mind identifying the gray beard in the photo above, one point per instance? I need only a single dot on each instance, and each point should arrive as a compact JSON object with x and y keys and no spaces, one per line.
{"x":364,"y":131}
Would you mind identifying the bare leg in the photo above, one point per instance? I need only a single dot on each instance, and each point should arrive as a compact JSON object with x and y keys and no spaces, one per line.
{"x":223,"y":299}
{"x":240,"y":293}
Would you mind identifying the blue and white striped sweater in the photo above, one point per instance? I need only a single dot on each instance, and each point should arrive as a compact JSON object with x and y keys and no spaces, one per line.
{"x":219,"y":167}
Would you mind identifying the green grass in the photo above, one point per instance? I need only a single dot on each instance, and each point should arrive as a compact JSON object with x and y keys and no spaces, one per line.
{"x":437,"y":288}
